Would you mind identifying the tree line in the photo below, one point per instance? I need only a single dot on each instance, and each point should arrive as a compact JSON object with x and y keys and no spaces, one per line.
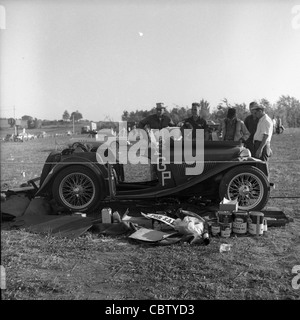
{"x":287,"y":108}
{"x":34,"y":123}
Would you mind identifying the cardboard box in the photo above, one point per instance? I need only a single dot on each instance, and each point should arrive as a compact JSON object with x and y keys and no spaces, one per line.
{"x":228,"y":205}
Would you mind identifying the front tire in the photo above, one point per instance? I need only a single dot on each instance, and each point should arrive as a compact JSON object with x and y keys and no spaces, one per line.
{"x":77,"y":188}
{"x":247,"y":184}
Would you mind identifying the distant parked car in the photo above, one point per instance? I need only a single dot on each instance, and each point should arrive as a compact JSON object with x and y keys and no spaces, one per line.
{"x":44,"y":134}
{"x":85,"y":129}
{"x":13,"y":137}
{"x":9,"y":137}
{"x":18,"y":138}
{"x":27,"y":136}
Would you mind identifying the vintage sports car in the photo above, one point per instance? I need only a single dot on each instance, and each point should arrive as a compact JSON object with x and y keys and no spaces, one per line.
{"x":78,"y":181}
{"x":14,"y":137}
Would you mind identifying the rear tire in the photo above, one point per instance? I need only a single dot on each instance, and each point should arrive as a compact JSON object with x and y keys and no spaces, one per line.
{"x":77,"y":188}
{"x":247,"y":184}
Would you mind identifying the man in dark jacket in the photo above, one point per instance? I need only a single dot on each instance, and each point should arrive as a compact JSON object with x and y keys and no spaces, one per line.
{"x":158,"y":120}
{"x":196,"y":122}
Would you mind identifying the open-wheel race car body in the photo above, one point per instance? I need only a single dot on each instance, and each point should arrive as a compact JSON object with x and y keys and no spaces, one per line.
{"x":79,"y":181}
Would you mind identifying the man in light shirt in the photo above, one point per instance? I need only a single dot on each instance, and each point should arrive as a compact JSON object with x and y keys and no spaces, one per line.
{"x":263,"y":134}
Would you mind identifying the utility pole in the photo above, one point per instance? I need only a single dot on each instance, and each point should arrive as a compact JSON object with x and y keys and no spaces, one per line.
{"x":73,"y":124}
{"x":15,"y":120}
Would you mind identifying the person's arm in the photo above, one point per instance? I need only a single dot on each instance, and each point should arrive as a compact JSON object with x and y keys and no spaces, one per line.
{"x":206,"y":130}
{"x":222,"y":130}
{"x":262,"y":145}
{"x":206,"y":135}
{"x":182,"y":127}
{"x":245,"y":132}
{"x":219,"y":131}
{"x":246,"y":123}
{"x":185,"y":125}
{"x":142,"y":123}
{"x":171,"y":123}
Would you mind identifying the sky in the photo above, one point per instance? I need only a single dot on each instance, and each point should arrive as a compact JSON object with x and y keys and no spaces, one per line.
{"x":102,"y":57}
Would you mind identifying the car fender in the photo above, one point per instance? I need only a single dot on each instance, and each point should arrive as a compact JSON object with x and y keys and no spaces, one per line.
{"x":224,"y":167}
{"x":190,"y":183}
{"x":258,"y":163}
{"x":208,"y":174}
{"x":66,"y":163}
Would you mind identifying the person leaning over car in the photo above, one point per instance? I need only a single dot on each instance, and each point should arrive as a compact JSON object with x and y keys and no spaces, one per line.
{"x":263,"y":134}
{"x":251,"y":124}
{"x":195,"y":122}
{"x":158,"y":120}
{"x":233,"y":129}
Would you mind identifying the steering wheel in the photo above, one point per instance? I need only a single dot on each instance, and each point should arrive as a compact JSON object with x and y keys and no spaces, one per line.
{"x":79,"y":145}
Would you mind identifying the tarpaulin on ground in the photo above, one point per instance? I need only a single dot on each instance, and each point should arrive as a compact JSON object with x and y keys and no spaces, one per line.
{"x":61,"y":226}
{"x":15,"y":205}
{"x":36,"y":215}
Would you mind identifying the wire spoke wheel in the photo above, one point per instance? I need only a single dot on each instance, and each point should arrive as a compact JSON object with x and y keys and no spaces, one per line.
{"x":76,"y":188}
{"x":246,"y":188}
{"x":246,"y":184}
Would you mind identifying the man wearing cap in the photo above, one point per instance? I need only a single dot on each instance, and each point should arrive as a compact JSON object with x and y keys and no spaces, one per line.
{"x":158,"y":120}
{"x":196,"y":122}
{"x":233,"y":129}
{"x":251,"y":124}
{"x":263,"y":134}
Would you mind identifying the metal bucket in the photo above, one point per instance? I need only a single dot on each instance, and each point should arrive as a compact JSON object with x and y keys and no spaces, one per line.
{"x":225,"y":230}
{"x":225,"y":217}
{"x":256,"y":223}
{"x":239,"y":224}
{"x":215,"y":229}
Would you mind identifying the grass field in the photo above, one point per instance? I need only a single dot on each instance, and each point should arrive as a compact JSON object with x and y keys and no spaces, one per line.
{"x":98,"y":267}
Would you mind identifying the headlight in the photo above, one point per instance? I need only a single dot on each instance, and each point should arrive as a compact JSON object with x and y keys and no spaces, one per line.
{"x":245,"y":152}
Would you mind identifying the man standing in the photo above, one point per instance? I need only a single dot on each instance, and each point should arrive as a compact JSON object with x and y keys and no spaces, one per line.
{"x":263,"y":134}
{"x":279,"y":126}
{"x":233,"y":129}
{"x":196,"y":122}
{"x":158,"y":120}
{"x":251,"y":124}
